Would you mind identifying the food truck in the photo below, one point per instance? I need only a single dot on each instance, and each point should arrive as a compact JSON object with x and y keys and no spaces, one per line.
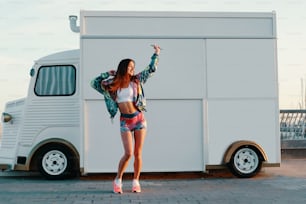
{"x":212,"y":103}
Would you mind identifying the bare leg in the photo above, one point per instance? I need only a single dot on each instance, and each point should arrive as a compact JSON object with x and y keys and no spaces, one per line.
{"x":139,"y":137}
{"x":127,"y":141}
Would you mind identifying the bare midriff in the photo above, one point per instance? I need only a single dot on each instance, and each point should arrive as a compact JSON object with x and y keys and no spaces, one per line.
{"x":127,"y":107}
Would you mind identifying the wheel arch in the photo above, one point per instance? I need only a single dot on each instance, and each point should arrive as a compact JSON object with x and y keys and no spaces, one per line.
{"x":32,"y":160}
{"x":241,"y":143}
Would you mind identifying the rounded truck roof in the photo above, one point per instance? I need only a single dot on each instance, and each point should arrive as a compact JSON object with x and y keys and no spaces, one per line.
{"x":61,"y":56}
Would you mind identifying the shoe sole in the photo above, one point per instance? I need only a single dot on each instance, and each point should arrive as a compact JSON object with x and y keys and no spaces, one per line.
{"x":117,"y":192}
{"x":135,"y":191}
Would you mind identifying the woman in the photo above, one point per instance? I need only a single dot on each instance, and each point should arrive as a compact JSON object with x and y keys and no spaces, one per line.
{"x":123,"y":90}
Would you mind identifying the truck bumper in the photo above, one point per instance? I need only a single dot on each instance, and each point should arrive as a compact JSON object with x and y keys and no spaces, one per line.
{"x":7,"y":159}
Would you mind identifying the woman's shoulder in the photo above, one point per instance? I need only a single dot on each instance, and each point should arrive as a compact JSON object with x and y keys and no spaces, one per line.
{"x":135,"y":79}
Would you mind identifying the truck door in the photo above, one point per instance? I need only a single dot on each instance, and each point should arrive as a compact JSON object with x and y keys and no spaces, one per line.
{"x":52,"y":108}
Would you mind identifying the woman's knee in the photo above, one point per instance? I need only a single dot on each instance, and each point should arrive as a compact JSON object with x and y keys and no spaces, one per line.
{"x":137,"y":155}
{"x":128,"y":155}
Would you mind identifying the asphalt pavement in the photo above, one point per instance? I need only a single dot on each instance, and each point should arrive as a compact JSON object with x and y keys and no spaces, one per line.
{"x":285,"y":184}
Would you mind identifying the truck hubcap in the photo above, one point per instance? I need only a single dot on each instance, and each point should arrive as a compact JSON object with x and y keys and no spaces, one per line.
{"x":246,"y":160}
{"x":54,"y":162}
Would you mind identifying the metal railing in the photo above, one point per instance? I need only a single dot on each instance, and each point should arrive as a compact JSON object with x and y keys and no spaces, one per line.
{"x":293,"y":124}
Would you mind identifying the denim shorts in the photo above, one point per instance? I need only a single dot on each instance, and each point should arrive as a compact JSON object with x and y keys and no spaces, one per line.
{"x":132,"y":122}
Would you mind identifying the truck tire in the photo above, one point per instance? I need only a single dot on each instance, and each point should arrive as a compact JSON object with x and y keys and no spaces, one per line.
{"x":245,"y":162}
{"x":56,"y":162}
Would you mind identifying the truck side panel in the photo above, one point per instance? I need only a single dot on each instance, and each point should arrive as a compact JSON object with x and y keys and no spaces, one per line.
{"x":177,"y":25}
{"x":241,"y":68}
{"x":181,"y":73}
{"x":174,"y":137}
{"x":175,"y":96}
{"x":242,"y":95}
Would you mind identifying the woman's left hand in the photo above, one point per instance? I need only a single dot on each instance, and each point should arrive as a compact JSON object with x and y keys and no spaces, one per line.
{"x":157,"y":49}
{"x":112,"y":73}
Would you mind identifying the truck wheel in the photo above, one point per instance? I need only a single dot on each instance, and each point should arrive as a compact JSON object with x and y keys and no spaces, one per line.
{"x":56,"y":162}
{"x":245,"y":162}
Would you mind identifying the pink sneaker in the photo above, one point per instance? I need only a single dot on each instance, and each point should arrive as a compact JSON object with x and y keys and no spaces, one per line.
{"x":117,"y":188}
{"x":136,"y":187}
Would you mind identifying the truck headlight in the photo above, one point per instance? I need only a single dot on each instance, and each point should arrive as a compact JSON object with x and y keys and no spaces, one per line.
{"x":6,"y":117}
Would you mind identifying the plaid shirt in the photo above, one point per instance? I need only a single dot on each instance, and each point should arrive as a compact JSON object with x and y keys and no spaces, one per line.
{"x":104,"y":80}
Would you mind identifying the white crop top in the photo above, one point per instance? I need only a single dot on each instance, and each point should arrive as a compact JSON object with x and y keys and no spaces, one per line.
{"x":125,"y":94}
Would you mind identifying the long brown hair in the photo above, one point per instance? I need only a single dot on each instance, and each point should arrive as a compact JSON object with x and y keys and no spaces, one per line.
{"x":122,"y":78}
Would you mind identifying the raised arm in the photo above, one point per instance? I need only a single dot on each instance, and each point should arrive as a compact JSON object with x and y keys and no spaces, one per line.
{"x":151,"y":68}
{"x":100,"y":82}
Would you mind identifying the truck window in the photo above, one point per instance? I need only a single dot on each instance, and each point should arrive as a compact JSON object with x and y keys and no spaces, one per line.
{"x":55,"y":81}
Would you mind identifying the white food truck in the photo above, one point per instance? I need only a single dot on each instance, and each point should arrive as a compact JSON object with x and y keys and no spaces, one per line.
{"x":212,"y":103}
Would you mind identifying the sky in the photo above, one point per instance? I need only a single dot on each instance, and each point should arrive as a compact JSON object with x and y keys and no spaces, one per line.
{"x":36,"y":28}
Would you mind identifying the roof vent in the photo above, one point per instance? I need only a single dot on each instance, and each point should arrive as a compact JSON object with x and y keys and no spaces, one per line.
{"x":73,"y":26}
